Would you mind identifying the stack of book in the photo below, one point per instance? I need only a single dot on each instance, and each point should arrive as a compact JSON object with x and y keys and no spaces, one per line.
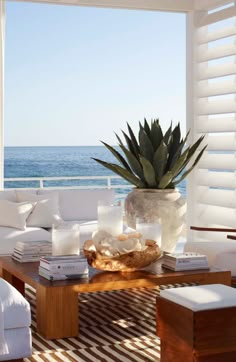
{"x":31,"y":251}
{"x":185,"y":261}
{"x":63,"y":267}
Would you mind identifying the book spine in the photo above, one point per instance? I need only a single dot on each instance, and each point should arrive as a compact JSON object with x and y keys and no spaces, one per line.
{"x":185,"y":262}
{"x":63,"y":266}
{"x":63,"y":259}
{"x":63,"y":276}
{"x":190,"y":262}
{"x":167,"y":257}
{"x":185,"y":268}
{"x":75,"y":270}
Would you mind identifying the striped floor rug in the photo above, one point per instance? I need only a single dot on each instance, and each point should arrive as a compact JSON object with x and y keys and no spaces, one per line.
{"x":116,"y":326}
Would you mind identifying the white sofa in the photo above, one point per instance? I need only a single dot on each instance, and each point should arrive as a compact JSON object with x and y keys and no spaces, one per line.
{"x":69,"y":205}
{"x":15,"y":321}
{"x":221,"y":252}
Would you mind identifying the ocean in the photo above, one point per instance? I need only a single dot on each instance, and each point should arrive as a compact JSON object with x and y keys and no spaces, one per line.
{"x":61,"y":161}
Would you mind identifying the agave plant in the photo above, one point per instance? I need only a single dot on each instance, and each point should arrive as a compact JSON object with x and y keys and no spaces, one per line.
{"x":155,"y":160}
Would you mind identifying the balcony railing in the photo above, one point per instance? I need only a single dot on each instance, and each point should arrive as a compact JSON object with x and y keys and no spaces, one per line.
{"x":120,"y":187}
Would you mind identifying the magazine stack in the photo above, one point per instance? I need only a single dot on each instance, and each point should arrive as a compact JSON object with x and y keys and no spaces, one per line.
{"x":31,"y":251}
{"x":63,"y":267}
{"x":185,"y":261}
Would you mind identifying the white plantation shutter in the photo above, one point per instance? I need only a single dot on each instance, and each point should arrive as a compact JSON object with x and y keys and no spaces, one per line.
{"x":211,"y":110}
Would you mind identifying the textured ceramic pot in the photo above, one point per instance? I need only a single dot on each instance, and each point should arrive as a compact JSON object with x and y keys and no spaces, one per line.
{"x":166,"y":207}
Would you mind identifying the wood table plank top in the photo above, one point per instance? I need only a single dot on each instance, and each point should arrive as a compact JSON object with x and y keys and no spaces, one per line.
{"x":98,"y":280}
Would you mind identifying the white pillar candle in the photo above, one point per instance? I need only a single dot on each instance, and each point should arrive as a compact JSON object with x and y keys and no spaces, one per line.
{"x":65,"y":239}
{"x":110,"y":219}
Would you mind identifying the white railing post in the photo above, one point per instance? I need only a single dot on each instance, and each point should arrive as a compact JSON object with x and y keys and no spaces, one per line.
{"x":41,"y":183}
{"x":108,"y":182}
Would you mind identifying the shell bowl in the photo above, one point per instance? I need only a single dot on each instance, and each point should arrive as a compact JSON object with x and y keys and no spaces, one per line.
{"x":125,"y":262}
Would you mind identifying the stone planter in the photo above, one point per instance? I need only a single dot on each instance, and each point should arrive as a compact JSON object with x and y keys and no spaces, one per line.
{"x":166,"y":207}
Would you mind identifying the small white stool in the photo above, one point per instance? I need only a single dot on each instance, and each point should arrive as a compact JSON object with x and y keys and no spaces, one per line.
{"x":15,"y":323}
{"x":197,"y":324}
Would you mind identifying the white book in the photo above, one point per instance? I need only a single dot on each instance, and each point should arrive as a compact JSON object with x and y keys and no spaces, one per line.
{"x":68,"y":269}
{"x":183,"y":262}
{"x":29,"y":259}
{"x":62,"y":276}
{"x":23,"y":245}
{"x":185,"y":268}
{"x":64,"y":264}
{"x":185,"y":259}
{"x":39,"y":252}
{"x":62,"y":258}
{"x":184,"y":256}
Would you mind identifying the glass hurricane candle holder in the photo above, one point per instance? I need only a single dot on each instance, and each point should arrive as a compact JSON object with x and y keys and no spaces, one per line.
{"x":149,"y":230}
{"x":65,"y":238}
{"x":110,"y":218}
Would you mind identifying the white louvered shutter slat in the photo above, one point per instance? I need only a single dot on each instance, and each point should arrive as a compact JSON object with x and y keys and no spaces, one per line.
{"x":216,"y":107}
{"x":219,"y":88}
{"x":215,"y":71}
{"x":221,"y":124}
{"x":216,"y":35}
{"x":216,"y":53}
{"x":219,"y":162}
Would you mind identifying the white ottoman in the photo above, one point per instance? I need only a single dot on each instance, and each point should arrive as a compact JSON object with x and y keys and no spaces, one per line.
{"x":15,"y":321}
{"x":197,"y":324}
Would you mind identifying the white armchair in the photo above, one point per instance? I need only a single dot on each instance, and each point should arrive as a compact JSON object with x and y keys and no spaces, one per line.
{"x":220,"y":253}
{"x":15,"y":321}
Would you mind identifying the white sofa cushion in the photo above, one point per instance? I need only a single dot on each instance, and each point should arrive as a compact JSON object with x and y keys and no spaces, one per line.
{"x":220,"y":254}
{"x":19,"y":343}
{"x":14,"y":214}
{"x":202,"y":297}
{"x":16,"y":309}
{"x":10,"y":236}
{"x":9,"y":195}
{"x":78,"y":204}
{"x":46,"y":211}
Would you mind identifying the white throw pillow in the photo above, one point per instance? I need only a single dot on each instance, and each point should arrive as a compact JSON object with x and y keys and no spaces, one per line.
{"x":14,"y":214}
{"x":46,"y":211}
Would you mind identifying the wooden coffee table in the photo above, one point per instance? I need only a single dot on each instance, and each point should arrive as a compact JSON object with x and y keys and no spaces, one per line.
{"x":57,"y":301}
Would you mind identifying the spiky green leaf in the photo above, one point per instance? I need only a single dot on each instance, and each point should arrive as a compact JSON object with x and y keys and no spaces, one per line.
{"x":129,"y":142}
{"x":133,"y":140}
{"x":156,"y":135}
{"x":119,"y":139}
{"x":146,"y":127}
{"x":168,"y":135}
{"x":166,"y":180}
{"x":128,"y":176}
{"x":190,"y":152}
{"x":134,"y":163}
{"x":117,"y":155}
{"x":185,"y":174}
{"x":160,"y":160}
{"x":176,"y":151}
{"x":146,"y":148}
{"x":149,"y":172}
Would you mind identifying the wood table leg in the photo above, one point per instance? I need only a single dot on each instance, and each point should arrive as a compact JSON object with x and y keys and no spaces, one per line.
{"x":57,"y":312}
{"x":17,"y":283}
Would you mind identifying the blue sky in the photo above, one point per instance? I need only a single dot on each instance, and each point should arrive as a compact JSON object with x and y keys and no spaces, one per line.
{"x":76,"y":75}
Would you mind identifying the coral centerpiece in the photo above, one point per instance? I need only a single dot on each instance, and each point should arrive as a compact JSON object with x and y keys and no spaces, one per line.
{"x":126,"y":252}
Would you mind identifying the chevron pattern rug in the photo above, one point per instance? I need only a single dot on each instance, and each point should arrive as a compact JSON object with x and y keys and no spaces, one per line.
{"x":117,"y":326}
